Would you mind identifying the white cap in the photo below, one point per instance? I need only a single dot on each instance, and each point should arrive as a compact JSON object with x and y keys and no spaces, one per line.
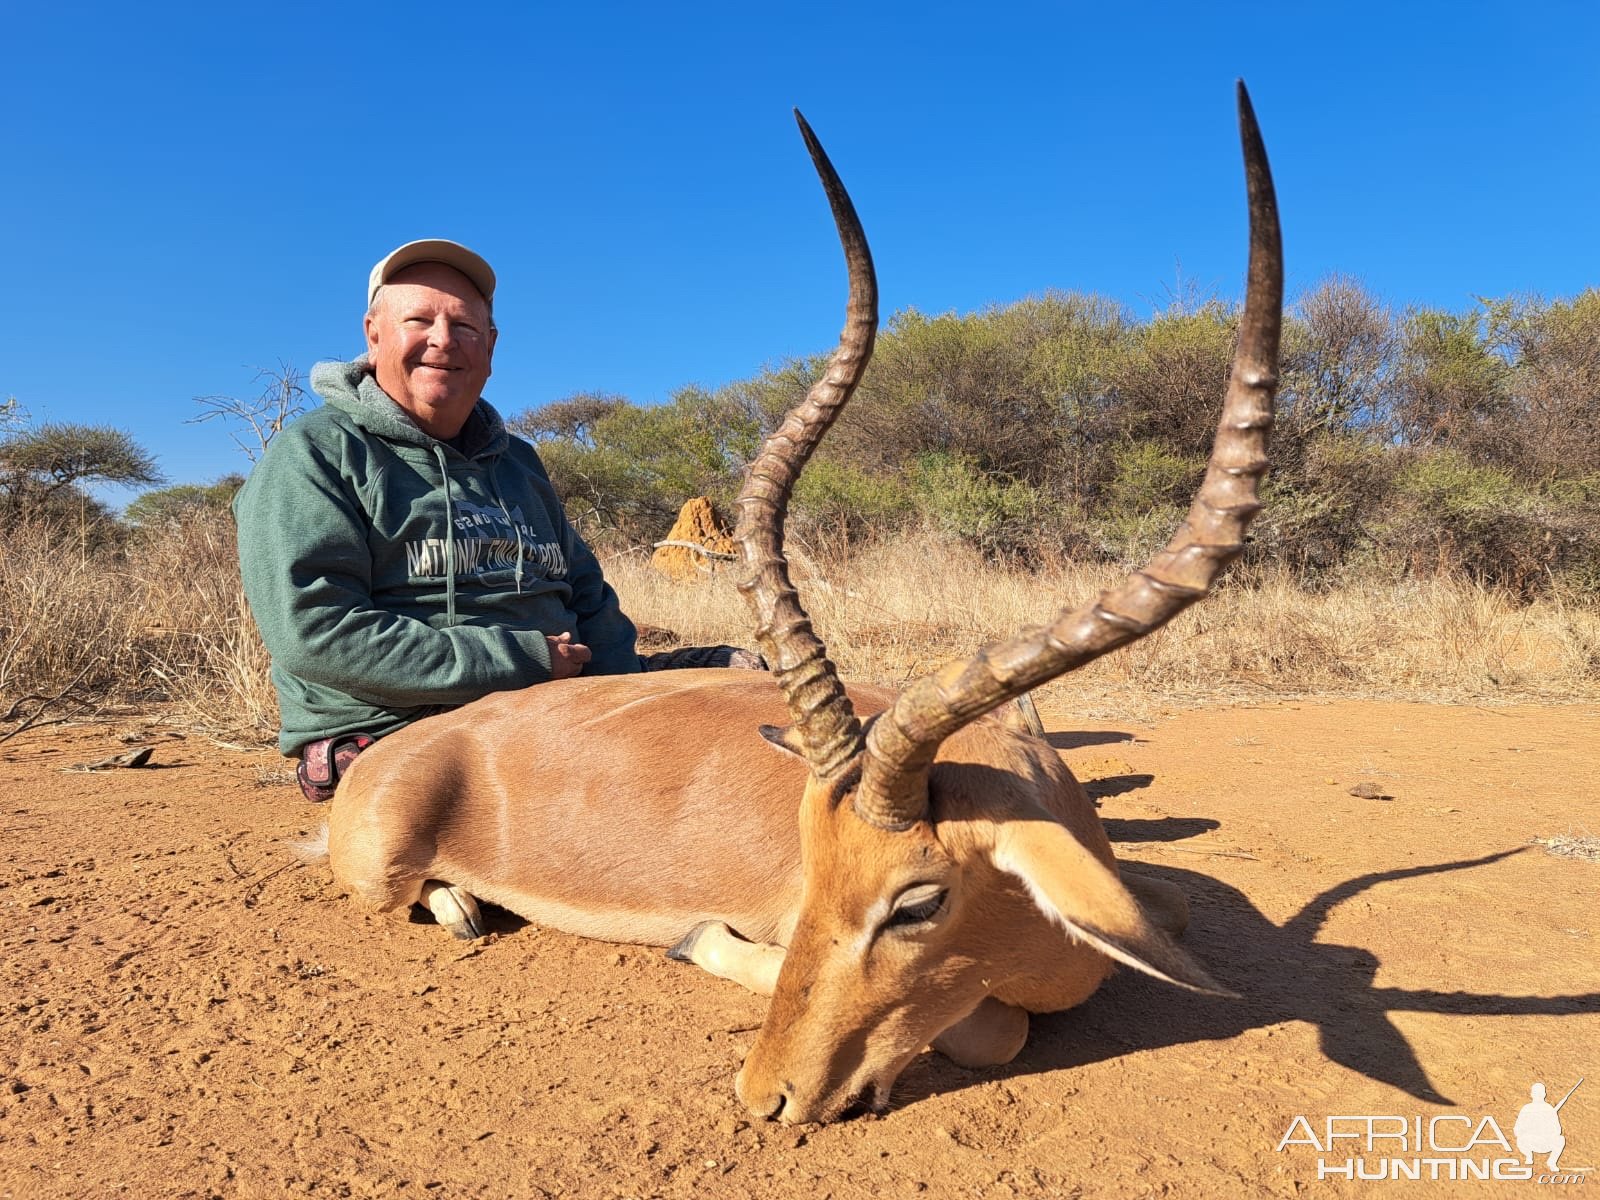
{"x":439,"y":250}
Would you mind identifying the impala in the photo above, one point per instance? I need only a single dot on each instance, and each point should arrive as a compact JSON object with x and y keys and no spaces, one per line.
{"x":893,"y":870}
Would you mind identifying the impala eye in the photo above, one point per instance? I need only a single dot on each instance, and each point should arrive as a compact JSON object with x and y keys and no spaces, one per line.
{"x":917,"y":906}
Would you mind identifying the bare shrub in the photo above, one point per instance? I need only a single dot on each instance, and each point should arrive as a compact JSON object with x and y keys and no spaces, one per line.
{"x":282,"y":398}
{"x":1336,"y":364}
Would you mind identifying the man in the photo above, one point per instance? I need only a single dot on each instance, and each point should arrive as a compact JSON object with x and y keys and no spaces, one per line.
{"x":401,"y":552}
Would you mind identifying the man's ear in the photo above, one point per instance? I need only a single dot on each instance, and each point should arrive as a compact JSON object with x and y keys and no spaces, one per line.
{"x":1087,"y":898}
{"x":784,"y":737}
{"x":369,"y":326}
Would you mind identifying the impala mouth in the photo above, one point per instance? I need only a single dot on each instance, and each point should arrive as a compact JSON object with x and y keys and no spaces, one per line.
{"x":871,"y":1100}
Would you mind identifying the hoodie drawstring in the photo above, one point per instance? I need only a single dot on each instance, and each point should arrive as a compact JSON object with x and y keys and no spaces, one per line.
{"x":449,"y":538}
{"x":494,"y":490}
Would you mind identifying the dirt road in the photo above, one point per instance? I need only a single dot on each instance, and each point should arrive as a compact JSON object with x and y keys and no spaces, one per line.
{"x":186,"y":1012}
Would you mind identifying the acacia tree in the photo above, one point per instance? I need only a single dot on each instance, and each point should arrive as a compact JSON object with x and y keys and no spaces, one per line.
{"x":572,"y":419}
{"x":170,"y":506}
{"x":43,"y":470}
{"x":622,"y":468}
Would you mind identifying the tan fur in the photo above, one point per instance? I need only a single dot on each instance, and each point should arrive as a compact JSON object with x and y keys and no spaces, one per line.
{"x":638,"y":808}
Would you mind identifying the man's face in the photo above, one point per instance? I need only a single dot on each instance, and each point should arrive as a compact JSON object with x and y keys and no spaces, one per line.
{"x":431,"y":343}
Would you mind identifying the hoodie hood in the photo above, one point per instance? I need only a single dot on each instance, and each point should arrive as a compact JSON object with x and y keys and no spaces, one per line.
{"x":353,"y":389}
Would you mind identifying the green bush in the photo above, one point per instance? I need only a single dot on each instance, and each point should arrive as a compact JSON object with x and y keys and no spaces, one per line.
{"x":624,"y":470}
{"x":1168,"y":382}
{"x":1317,"y":512}
{"x":1147,"y":475}
{"x":986,"y":510}
{"x":169,"y":506}
{"x":1451,"y":514}
{"x":843,"y":498}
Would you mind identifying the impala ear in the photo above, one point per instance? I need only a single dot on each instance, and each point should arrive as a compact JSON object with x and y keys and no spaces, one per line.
{"x":1074,"y":888}
{"x":784,"y":737}
{"x":1022,"y":716}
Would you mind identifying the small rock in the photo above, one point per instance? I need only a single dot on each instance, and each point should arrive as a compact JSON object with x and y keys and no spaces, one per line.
{"x":1369,"y":791}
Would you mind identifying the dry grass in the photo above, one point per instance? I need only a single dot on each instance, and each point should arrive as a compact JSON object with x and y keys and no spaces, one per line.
{"x":160,"y":621}
{"x":904,"y":608}
{"x":163,"y":621}
{"x":198,"y":637}
{"x":63,"y":615}
{"x":1585,"y":848}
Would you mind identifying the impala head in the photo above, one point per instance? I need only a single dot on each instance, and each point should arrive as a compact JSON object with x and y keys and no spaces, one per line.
{"x":939,"y":868}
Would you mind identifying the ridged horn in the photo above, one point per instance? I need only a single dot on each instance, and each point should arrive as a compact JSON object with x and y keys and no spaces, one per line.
{"x":901,"y":745}
{"x":829,"y":730}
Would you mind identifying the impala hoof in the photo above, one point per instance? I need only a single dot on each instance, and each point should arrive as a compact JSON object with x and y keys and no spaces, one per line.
{"x":454,"y":909}
{"x":684,"y":950}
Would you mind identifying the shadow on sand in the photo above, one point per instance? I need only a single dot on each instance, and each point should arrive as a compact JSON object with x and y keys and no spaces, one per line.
{"x":1077,"y":739}
{"x":1287,"y":976}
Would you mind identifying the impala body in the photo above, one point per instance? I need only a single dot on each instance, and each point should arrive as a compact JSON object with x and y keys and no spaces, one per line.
{"x":677,"y":815}
{"x":627,"y":808}
{"x":928,"y":874}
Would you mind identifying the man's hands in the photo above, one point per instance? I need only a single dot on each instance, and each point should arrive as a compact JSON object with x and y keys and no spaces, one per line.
{"x":566,"y":656}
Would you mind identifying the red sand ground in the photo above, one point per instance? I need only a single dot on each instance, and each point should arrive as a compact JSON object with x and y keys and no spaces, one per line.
{"x":186,"y":1011}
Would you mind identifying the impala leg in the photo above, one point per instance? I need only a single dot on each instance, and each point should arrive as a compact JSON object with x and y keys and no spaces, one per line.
{"x":713,"y":947}
{"x":1164,"y":903}
{"x":454,"y":909}
{"x":991,"y":1034}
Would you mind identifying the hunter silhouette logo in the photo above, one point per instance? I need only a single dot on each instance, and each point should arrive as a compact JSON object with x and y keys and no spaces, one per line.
{"x":1538,"y":1127}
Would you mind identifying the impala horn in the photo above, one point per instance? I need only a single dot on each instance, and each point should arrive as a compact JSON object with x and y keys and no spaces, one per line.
{"x":829,"y":731}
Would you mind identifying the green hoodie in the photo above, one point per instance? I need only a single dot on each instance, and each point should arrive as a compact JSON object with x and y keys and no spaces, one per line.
{"x":345,"y":529}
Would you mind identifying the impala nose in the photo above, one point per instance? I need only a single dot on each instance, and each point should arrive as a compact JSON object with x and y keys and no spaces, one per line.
{"x":766,"y":1103}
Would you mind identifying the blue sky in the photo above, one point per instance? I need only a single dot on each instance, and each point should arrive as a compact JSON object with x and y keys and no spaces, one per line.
{"x":193,"y":191}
